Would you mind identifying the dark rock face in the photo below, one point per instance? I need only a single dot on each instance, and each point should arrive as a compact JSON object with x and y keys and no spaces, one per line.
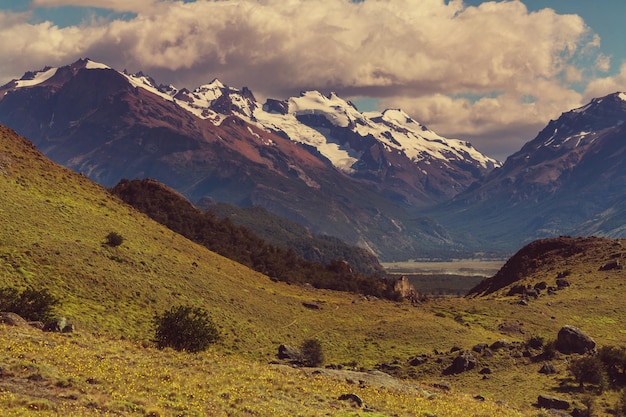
{"x":577,"y":158}
{"x":573,"y":340}
{"x":546,"y":401}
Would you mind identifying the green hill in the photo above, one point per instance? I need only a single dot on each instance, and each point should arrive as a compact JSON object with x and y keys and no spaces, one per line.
{"x":239,"y":243}
{"x":54,"y":225}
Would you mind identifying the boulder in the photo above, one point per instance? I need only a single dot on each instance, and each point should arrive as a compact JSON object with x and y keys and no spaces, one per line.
{"x":499,"y":344}
{"x":573,"y":340}
{"x":562,"y":283}
{"x":418,"y":360}
{"x":546,"y":401}
{"x":614,"y":264}
{"x":287,"y":352}
{"x":12,"y":319}
{"x":547,"y":368}
{"x":353,"y":398}
{"x":56,"y":325}
{"x":480,"y":348}
{"x":463,"y":362}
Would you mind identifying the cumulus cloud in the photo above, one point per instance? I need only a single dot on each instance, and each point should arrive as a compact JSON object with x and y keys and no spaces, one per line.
{"x":606,"y":85}
{"x":490,"y":73}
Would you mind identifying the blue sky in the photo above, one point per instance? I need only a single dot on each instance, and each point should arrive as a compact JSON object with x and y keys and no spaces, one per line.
{"x":493,"y":73}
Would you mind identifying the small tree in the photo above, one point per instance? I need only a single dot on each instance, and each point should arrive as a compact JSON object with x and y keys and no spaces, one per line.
{"x":549,"y":350}
{"x":614,"y":360}
{"x":31,"y":304}
{"x":114,"y":239}
{"x":588,"y":369}
{"x":312,"y":353}
{"x":185,"y":328}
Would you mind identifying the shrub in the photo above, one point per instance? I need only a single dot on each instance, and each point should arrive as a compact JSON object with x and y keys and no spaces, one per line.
{"x":549,"y":350}
{"x":588,"y":369}
{"x":114,"y":239}
{"x":312,"y":353}
{"x":535,"y":342}
{"x":185,"y":328}
{"x":614,"y":360}
{"x":31,"y":304}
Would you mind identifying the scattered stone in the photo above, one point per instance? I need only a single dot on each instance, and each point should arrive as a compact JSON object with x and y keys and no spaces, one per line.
{"x":479,"y":398}
{"x":418,"y":360}
{"x":523,"y":302}
{"x":573,"y":340}
{"x":455,"y":349}
{"x":499,"y":344}
{"x":534,"y":293}
{"x":36,"y":324}
{"x":614,"y":264}
{"x":311,"y":306}
{"x":464,"y":362}
{"x":547,"y":368}
{"x":546,"y":401}
{"x":485,"y":371}
{"x":287,"y":352}
{"x":579,"y":412}
{"x":517,"y":289}
{"x":68,"y":328}
{"x":56,"y":325}
{"x":511,"y":327}
{"x":480,"y":348}
{"x":352,"y":397}
{"x":541,"y":285}
{"x":562,"y":283}
{"x":12,"y":319}
{"x":442,"y":385}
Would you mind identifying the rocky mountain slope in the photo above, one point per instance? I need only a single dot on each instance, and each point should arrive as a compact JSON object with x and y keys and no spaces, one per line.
{"x":570,"y":179}
{"x":314,"y":159}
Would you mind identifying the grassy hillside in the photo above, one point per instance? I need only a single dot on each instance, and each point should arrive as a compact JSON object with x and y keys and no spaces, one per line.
{"x":53,"y":226}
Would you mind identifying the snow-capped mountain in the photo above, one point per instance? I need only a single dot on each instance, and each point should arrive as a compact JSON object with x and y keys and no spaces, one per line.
{"x":570,"y":179}
{"x":314,"y":158}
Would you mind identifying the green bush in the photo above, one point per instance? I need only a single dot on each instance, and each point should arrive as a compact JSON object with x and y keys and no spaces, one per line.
{"x":312,"y":353}
{"x":185,"y":328}
{"x":549,"y":350}
{"x":588,"y":369}
{"x":114,"y":239}
{"x":30,"y":304}
{"x":535,"y":342}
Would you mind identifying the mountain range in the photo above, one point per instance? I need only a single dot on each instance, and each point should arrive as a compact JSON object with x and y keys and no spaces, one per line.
{"x":380,"y":180}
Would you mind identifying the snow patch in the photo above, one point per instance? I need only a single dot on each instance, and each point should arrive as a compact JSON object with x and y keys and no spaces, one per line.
{"x":622,"y":96}
{"x":39,"y":78}
{"x":95,"y":65}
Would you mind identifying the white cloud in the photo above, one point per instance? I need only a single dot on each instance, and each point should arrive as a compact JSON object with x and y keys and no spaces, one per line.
{"x":602,"y":86}
{"x":409,"y":53}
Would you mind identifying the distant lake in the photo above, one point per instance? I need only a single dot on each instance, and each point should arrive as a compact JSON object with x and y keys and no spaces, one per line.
{"x":467,"y":267}
{"x":445,"y":278}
